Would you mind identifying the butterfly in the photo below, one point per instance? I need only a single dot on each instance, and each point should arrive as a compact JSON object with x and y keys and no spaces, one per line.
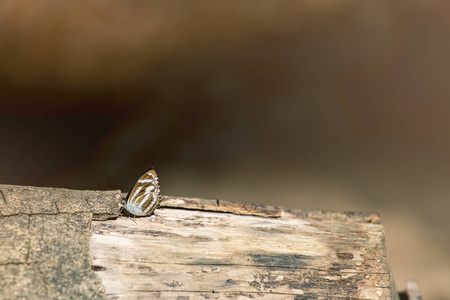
{"x":144,"y":196}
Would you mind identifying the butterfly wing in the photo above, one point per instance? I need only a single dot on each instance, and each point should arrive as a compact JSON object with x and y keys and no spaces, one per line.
{"x":144,"y":196}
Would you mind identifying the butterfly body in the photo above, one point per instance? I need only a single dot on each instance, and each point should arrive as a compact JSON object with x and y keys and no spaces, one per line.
{"x":143,"y":198}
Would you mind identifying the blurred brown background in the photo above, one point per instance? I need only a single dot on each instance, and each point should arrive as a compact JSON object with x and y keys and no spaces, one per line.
{"x":334,"y":105}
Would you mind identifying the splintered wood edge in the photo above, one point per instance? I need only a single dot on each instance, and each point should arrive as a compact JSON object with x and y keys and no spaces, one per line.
{"x":322,"y":215}
{"x":222,"y":206}
{"x":267,"y":211}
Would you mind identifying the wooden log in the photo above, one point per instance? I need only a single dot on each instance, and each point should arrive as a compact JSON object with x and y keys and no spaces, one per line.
{"x":191,"y":248}
{"x":202,"y":254}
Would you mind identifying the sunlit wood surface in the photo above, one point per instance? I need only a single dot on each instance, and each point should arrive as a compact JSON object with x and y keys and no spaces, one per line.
{"x":214,"y":255}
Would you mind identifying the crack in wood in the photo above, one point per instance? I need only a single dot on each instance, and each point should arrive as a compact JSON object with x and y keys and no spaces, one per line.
{"x":29,"y":240}
{"x":2,"y":195}
{"x":15,"y":263}
{"x":42,"y":214}
{"x":243,"y":292}
{"x":88,"y":204}
{"x":56,"y":206}
{"x":97,"y":268}
{"x":254,"y":266}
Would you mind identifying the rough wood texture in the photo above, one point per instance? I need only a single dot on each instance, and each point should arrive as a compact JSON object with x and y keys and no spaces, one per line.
{"x":188,"y":254}
{"x":222,"y":206}
{"x":183,"y":253}
{"x":44,"y":241}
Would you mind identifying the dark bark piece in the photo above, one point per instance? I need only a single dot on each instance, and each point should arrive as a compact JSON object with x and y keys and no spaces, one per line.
{"x":44,"y":241}
{"x":222,"y":206}
{"x":42,"y":200}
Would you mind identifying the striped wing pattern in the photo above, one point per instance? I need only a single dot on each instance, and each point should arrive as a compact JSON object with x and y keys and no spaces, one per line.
{"x":144,"y":196}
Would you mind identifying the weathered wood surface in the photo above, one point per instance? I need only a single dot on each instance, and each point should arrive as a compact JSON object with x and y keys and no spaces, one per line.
{"x":186,"y":254}
{"x":44,"y":241}
{"x":221,"y":206}
{"x":183,"y":253}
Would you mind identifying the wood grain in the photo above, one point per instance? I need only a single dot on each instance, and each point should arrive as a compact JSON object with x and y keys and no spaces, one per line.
{"x":201,"y":254}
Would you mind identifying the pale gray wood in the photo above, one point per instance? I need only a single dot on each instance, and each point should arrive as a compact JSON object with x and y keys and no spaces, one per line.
{"x":200,"y":254}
